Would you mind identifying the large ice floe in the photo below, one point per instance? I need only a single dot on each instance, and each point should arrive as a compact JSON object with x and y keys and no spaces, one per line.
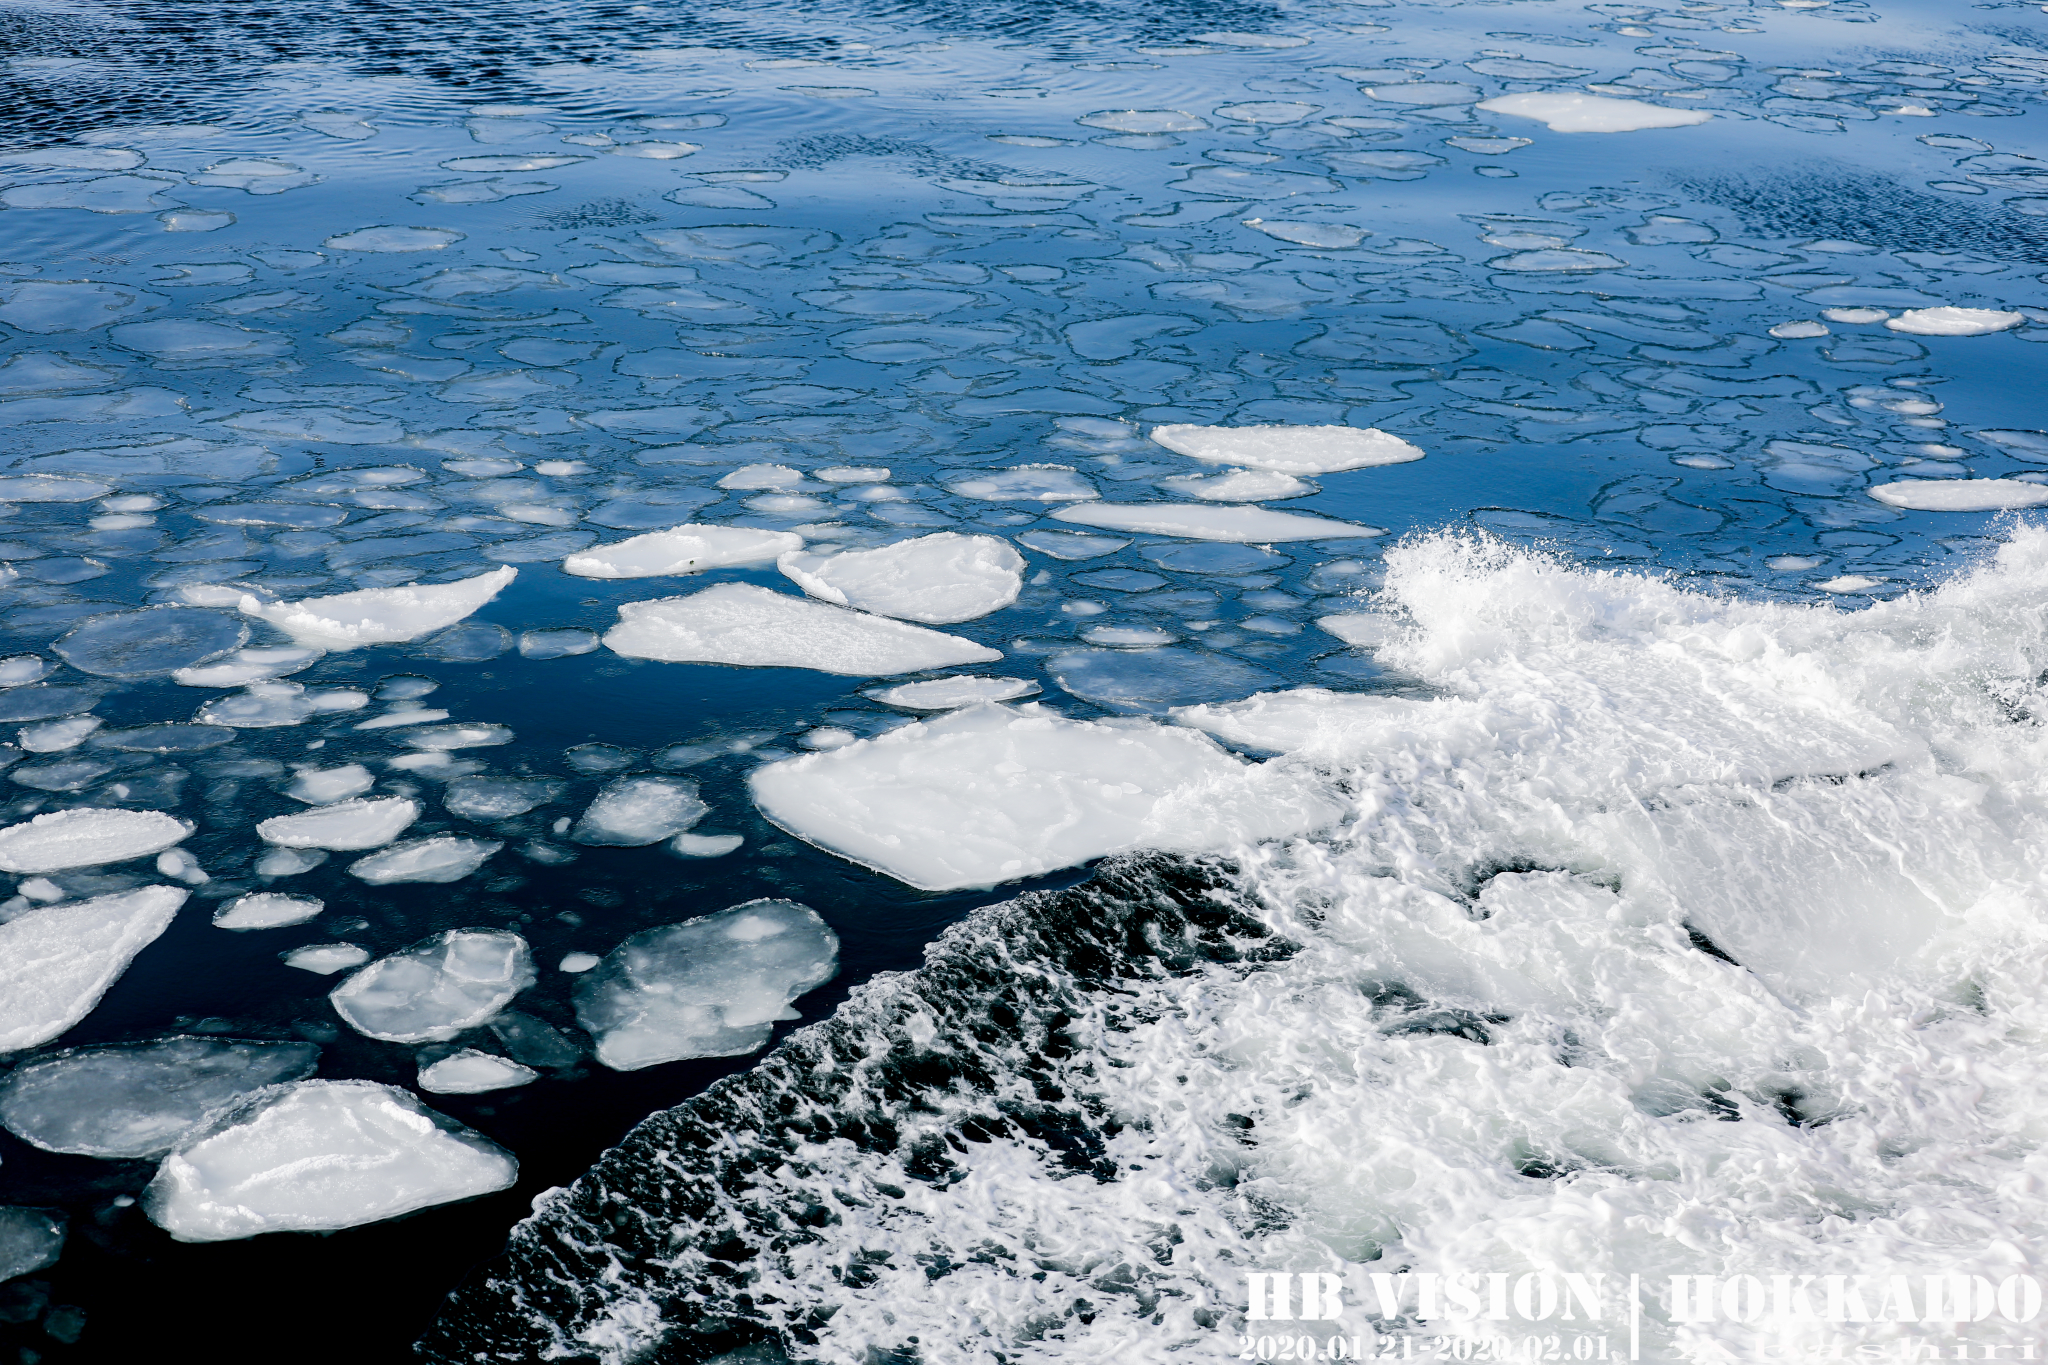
{"x":1572,"y":112}
{"x":87,"y":837}
{"x":438,"y":988}
{"x":57,"y":961}
{"x":708,"y":987}
{"x":1665,"y":933}
{"x":682,"y":550}
{"x":318,"y":1156}
{"x":150,"y":643}
{"x":344,"y":826}
{"x":140,"y":1099}
{"x":739,"y":623}
{"x":1288,"y":450}
{"x":994,"y":794}
{"x":378,"y":616}
{"x":1245,"y":525}
{"x":937,"y":579}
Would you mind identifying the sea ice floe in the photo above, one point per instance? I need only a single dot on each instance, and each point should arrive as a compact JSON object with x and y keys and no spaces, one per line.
{"x":436,"y":989}
{"x":498,"y":798}
{"x":739,"y":623}
{"x":447,"y":738}
{"x":317,"y":1156}
{"x":345,"y":826}
{"x":1237,"y":485}
{"x":374,"y":616}
{"x":30,"y":1240}
{"x":1949,"y":321}
{"x":140,"y":1099}
{"x":57,"y":736}
{"x":708,"y":987}
{"x":441,"y":858}
{"x":1576,"y":113}
{"x":938,"y":579}
{"x":151,"y":642}
{"x":950,"y":694}
{"x":322,"y":786}
{"x":556,"y":644}
{"x":1245,"y":525}
{"x":246,"y":666}
{"x":682,"y":550}
{"x":470,"y":1072}
{"x":1960,"y":495}
{"x":57,"y":961}
{"x":87,"y":837}
{"x":1024,"y":483}
{"x":327,"y":958}
{"x":705,"y":845}
{"x":635,"y":811}
{"x":266,"y":910}
{"x":992,"y":794}
{"x":1071,"y":544}
{"x":1288,"y":450}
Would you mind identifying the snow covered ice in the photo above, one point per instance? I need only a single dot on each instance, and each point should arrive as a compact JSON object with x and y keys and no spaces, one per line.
{"x":326,"y":959}
{"x":266,"y":910}
{"x":1245,"y":525}
{"x":140,"y":1099}
{"x":437,"y":988}
{"x":470,"y":1072}
{"x":1950,"y":321}
{"x":57,"y":961}
{"x":441,"y":859}
{"x":709,"y":987}
{"x":682,"y":550}
{"x":375,"y":616}
{"x":87,"y":837}
{"x":318,"y":1156}
{"x":738,"y":623}
{"x":938,"y":579}
{"x":1960,"y":495}
{"x":344,"y":826}
{"x":948,"y":694}
{"x":992,"y":794}
{"x":635,"y":811}
{"x":1288,"y":450}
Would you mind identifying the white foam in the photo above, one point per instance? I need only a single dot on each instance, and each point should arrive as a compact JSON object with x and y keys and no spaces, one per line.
{"x":938,"y":579}
{"x":442,"y":858}
{"x":1960,"y":495}
{"x":1575,"y":113}
{"x":1288,"y":450}
{"x":56,"y":962}
{"x":632,"y":812}
{"x":1245,"y":525}
{"x":139,"y":1099}
{"x":319,"y":1156}
{"x":470,"y":1072}
{"x":708,"y":987}
{"x":327,"y":958}
{"x":990,"y":794}
{"x":344,"y":826}
{"x":682,"y":550}
{"x":1947,"y":321}
{"x":438,"y":988}
{"x":87,"y":837}
{"x":950,"y":694}
{"x":267,"y":910}
{"x":374,"y":616}
{"x":738,"y":623}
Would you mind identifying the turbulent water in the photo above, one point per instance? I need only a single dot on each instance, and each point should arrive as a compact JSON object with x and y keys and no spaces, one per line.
{"x":1616,"y":847}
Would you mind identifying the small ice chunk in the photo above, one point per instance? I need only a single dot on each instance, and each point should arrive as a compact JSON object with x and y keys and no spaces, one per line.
{"x":498,"y":798}
{"x":575,"y":963}
{"x":990,"y":794}
{"x":1025,"y":483}
{"x":54,"y":737}
{"x":1071,"y":544}
{"x":1237,"y":485}
{"x":1800,"y":330}
{"x":937,"y":579}
{"x":140,"y":1099}
{"x":344,"y":826}
{"x":246,"y":666}
{"x":446,"y":738}
{"x":18,"y":669}
{"x":320,"y":786}
{"x":470,"y":1072}
{"x":437,"y":988}
{"x":708,"y":987}
{"x":87,"y":837}
{"x":1288,"y":450}
{"x":1245,"y":525}
{"x":288,"y":862}
{"x":849,"y":473}
{"x":1856,"y":316}
{"x":150,"y":642}
{"x":179,"y":865}
{"x":1960,"y":495}
{"x":1328,"y":236}
{"x":739,"y":623}
{"x":1575,"y":113}
{"x":278,"y":705}
{"x":30,"y":1240}
{"x":267,"y":910}
{"x":556,"y":644}
{"x":827,"y":737}
{"x":703,"y":846}
{"x":762,"y":476}
{"x":395,"y":239}
{"x":442,"y":858}
{"x":1954,"y":322}
{"x":632,"y":812}
{"x":375,"y":616}
{"x":402,"y":715}
{"x":56,"y":962}
{"x":327,"y":958}
{"x":949,"y":694}
{"x":682,"y":550}
{"x":317,"y":1156}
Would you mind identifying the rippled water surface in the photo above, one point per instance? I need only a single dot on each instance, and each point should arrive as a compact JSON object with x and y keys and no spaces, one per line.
{"x":298,"y":300}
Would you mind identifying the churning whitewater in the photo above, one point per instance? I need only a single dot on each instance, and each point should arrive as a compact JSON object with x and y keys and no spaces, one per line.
{"x":1661,"y":933}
